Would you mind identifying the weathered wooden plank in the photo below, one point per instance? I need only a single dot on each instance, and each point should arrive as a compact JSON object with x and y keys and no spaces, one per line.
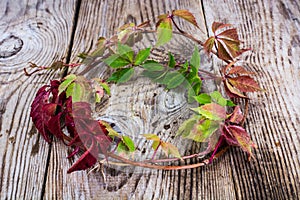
{"x":124,"y":109}
{"x":40,"y":32}
{"x":271,"y":29}
{"x":30,"y":31}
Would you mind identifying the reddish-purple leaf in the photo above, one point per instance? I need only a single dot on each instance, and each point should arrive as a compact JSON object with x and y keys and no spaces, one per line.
{"x":86,"y":160}
{"x":186,"y":15}
{"x":54,"y":126}
{"x":238,"y":136}
{"x":39,"y":116}
{"x":244,"y":84}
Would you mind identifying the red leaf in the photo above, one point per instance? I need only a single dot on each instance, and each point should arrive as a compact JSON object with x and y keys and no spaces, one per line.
{"x":184,"y":14}
{"x":244,"y":84}
{"x":237,"y":115}
{"x":209,"y":44}
{"x":39,"y":116}
{"x":238,"y":136}
{"x":232,"y":47}
{"x":239,"y":70}
{"x":222,"y":52}
{"x":218,"y":25}
{"x":86,"y":160}
{"x":231,"y":91}
{"x":55,"y":127}
{"x":230,"y":34}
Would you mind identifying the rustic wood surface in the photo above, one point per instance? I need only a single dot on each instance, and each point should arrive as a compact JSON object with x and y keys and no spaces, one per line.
{"x":44,"y":31}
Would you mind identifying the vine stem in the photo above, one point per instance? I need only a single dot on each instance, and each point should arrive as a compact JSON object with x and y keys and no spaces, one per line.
{"x":175,"y":167}
{"x":125,"y":161}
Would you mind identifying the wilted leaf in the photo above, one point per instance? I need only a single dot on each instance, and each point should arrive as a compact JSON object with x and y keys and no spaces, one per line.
{"x":244,"y":84}
{"x":184,"y":14}
{"x":142,"y":56}
{"x":164,"y":32}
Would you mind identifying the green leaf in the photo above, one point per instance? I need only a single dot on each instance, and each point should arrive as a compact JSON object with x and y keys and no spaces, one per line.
{"x":111,"y":132}
{"x":173,"y":79}
{"x":195,"y":59}
{"x":187,"y":126}
{"x":150,"y":136}
{"x":77,"y":93}
{"x":156,"y":76}
{"x":104,"y":85}
{"x":66,"y":83}
{"x":164,"y":32}
{"x":202,"y":130}
{"x":122,"y":75}
{"x":152,"y":65}
{"x":125,"y":52}
{"x":172,"y":61}
{"x":218,"y":98}
{"x":203,"y":98}
{"x":116,"y":61}
{"x":142,"y":56}
{"x":230,"y":103}
{"x":129,"y":143}
{"x":155,"y":144}
{"x":194,"y":91}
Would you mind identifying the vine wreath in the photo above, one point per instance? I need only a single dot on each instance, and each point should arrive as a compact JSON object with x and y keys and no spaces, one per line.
{"x":63,"y":108}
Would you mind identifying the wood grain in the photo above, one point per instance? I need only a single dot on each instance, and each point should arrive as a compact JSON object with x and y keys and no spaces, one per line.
{"x":31,"y":31}
{"x":271,"y":30}
{"x":45,"y":31}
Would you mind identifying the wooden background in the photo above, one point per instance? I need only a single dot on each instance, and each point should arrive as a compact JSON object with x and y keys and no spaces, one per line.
{"x":44,"y":31}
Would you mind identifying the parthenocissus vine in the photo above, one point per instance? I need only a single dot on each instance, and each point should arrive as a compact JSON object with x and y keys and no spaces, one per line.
{"x":63,"y":108}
